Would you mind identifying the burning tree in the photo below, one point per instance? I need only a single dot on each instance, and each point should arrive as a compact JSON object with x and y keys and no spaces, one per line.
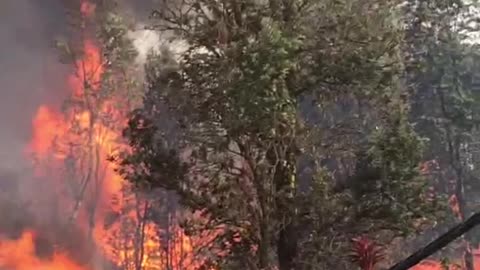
{"x":237,"y":106}
{"x":119,"y":223}
{"x":88,"y":128}
{"x":95,"y":110}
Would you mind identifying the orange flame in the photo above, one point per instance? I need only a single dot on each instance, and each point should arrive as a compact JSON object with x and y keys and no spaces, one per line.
{"x":47,"y":125}
{"x":89,"y":70}
{"x":456,"y":265}
{"x":53,"y":135}
{"x":52,"y":128}
{"x":20,"y":255}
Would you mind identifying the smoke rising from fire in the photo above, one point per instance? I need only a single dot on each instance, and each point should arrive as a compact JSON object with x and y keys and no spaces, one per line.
{"x":27,"y":29}
{"x":32,"y":79}
{"x":28,"y":62}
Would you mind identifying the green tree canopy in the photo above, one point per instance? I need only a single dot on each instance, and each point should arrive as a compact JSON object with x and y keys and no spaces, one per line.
{"x":234,"y":104}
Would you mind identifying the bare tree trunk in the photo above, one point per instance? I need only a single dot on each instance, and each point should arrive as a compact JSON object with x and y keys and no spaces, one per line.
{"x":287,"y":241}
{"x":139,"y":248}
{"x":168,"y":234}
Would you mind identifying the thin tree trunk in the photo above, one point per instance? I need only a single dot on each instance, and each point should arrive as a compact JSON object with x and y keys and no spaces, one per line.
{"x":287,"y":242}
{"x":438,"y":243}
{"x":139,"y":248}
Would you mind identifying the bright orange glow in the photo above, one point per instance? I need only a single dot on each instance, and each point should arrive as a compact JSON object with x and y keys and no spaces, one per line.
{"x":87,"y":8}
{"x":55,"y":134}
{"x":89,"y":70}
{"x":457,"y":264}
{"x":453,"y":202}
{"x":20,"y":255}
{"x":47,"y":126}
{"x":83,"y":136}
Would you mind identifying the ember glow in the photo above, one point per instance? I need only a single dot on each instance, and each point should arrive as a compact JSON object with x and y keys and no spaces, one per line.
{"x":456,"y":264}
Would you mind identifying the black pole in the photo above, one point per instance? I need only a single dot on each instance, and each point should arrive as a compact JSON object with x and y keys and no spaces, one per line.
{"x":438,"y":243}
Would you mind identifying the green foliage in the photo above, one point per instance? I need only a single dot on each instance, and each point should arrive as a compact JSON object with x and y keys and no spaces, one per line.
{"x":234,"y":103}
{"x":397,"y":152}
{"x":258,"y":93}
{"x":444,"y":74}
{"x":118,"y":56}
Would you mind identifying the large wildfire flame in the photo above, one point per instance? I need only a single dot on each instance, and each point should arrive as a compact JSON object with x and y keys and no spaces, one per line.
{"x":20,"y":255}
{"x":77,"y":137}
{"x":55,"y":134}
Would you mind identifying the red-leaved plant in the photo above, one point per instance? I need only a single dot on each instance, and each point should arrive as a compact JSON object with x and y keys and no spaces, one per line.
{"x":366,"y":253}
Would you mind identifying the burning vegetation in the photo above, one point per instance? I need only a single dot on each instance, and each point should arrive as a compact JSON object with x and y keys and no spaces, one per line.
{"x":265,"y":137}
{"x":97,"y":221}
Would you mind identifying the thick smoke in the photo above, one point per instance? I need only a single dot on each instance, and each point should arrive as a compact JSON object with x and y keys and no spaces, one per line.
{"x":29,"y":76}
{"x":32,"y":75}
{"x":29,"y":72}
{"x":140,"y":9}
{"x":28,"y":64}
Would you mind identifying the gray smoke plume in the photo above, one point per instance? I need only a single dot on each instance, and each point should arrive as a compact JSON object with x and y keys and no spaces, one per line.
{"x":32,"y":75}
{"x":28,"y":68}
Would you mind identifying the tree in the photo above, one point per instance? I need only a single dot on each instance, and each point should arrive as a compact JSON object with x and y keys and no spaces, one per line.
{"x":237,"y":102}
{"x":101,"y":55}
{"x":442,"y":73}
